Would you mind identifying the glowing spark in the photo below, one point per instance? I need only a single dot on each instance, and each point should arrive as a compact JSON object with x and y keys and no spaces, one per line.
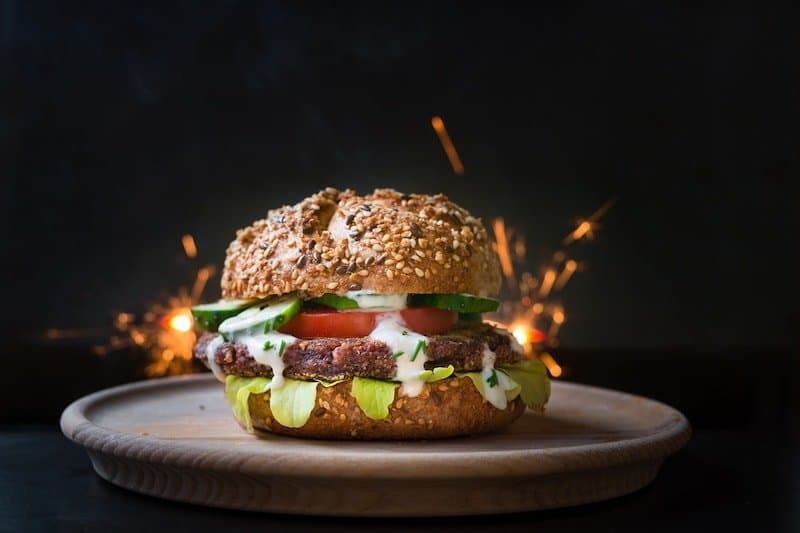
{"x":569,"y":268}
{"x":447,"y":144}
{"x":200,"y":282}
{"x":521,"y":334}
{"x":552,"y":366}
{"x":181,"y":321}
{"x":189,"y":247}
{"x":499,"y":227}
{"x":584,"y":229}
{"x":559,"y":317}
{"x":537,"y":308}
{"x":547,"y":283}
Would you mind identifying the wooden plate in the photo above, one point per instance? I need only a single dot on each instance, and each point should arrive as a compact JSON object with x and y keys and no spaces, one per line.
{"x":175,"y":438}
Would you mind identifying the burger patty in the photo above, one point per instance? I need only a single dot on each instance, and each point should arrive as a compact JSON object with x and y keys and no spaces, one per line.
{"x":331,"y":359}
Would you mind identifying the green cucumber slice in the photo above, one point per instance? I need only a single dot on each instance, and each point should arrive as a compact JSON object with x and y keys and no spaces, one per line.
{"x":470,"y":317}
{"x":208,"y":317}
{"x":463,"y":303}
{"x":263,"y":318}
{"x":335,"y":301}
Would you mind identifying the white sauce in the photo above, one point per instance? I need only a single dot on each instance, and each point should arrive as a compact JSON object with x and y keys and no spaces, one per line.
{"x":369,"y":300}
{"x":270,"y":357}
{"x":494,"y":395}
{"x":211,"y":349}
{"x":392,"y":331}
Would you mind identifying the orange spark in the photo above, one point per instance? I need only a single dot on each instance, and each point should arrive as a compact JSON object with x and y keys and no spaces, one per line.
{"x":181,"y":321}
{"x":200,"y":282}
{"x":552,"y":366}
{"x":499,"y":227}
{"x":547,"y":283}
{"x":569,"y":268}
{"x":189,"y":247}
{"x":447,"y":144}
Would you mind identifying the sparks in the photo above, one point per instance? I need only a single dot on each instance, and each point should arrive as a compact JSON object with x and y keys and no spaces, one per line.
{"x":189,"y":246}
{"x":447,"y":144}
{"x":552,"y":366}
{"x":181,"y":321}
{"x":499,"y":227}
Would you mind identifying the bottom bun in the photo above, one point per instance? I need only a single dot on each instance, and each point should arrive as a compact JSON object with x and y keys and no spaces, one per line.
{"x":448,"y":408}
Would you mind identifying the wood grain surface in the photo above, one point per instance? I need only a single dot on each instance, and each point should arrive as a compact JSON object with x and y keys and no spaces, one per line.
{"x":175,"y":438}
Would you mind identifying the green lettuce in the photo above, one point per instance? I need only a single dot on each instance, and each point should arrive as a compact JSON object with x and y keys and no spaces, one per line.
{"x":291,"y":404}
{"x":373,"y":396}
{"x":238,"y":390}
{"x":531,"y":375}
{"x":527,"y":379}
{"x":440,"y":372}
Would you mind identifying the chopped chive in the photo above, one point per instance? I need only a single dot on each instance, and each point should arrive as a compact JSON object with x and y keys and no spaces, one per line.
{"x":492,"y":380}
{"x":395,"y":355}
{"x":268,"y":346}
{"x":421,"y":345}
{"x":405,"y":332}
{"x":282,"y":348}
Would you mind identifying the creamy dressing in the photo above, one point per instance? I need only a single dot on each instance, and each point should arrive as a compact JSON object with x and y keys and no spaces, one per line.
{"x":494,"y":395}
{"x":211,"y":349}
{"x":370,"y":300}
{"x":392,"y":331}
{"x":272,"y":356}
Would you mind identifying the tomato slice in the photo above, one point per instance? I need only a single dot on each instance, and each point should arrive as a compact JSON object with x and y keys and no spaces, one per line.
{"x":312,"y":323}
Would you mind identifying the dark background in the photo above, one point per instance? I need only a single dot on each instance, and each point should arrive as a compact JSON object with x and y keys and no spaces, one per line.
{"x":124,"y":127}
{"x":129,"y":126}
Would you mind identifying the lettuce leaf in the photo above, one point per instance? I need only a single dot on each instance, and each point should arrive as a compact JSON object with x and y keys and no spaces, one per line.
{"x":373,"y":396}
{"x":527,"y":379}
{"x":291,"y":404}
{"x":531,"y":375}
{"x":440,"y":372}
{"x":509,"y":386}
{"x":238,"y":390}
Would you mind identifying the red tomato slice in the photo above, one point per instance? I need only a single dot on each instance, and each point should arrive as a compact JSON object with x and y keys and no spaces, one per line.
{"x":314,"y":323}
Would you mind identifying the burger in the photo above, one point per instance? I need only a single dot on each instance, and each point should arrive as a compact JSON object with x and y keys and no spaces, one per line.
{"x":360,"y":317}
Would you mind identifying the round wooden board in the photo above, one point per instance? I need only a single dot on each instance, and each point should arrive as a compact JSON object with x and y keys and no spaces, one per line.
{"x":175,"y":438}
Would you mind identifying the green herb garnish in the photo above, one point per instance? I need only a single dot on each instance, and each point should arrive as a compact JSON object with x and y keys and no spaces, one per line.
{"x":395,"y":355}
{"x":492,"y":380}
{"x":268,"y":346}
{"x":421,"y":345}
{"x":282,"y":348}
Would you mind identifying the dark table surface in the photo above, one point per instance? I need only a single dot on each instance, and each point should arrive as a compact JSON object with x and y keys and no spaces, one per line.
{"x":740,"y":470}
{"x":721,"y":481}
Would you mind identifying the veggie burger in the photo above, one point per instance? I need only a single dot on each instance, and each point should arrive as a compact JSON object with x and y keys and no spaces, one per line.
{"x":359,"y":317}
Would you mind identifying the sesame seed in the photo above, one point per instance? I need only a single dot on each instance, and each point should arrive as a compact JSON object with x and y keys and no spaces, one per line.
{"x":419,"y":272}
{"x":332,"y":285}
{"x":389,"y":274}
{"x":341,"y":270}
{"x":400,"y":264}
{"x":363,"y":273}
{"x":354,"y":287}
{"x":301,"y":262}
{"x":407,"y":270}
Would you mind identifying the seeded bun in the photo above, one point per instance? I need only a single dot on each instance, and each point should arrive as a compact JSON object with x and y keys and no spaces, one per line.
{"x":385,"y":242}
{"x":448,"y":408}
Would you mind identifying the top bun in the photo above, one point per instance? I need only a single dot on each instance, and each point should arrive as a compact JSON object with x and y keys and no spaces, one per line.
{"x":385,"y":242}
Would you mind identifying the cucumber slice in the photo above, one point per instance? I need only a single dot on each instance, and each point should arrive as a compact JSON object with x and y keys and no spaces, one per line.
{"x":463,"y":303}
{"x":469,"y":317}
{"x":335,"y":301}
{"x":263,"y":318}
{"x":208,"y":317}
